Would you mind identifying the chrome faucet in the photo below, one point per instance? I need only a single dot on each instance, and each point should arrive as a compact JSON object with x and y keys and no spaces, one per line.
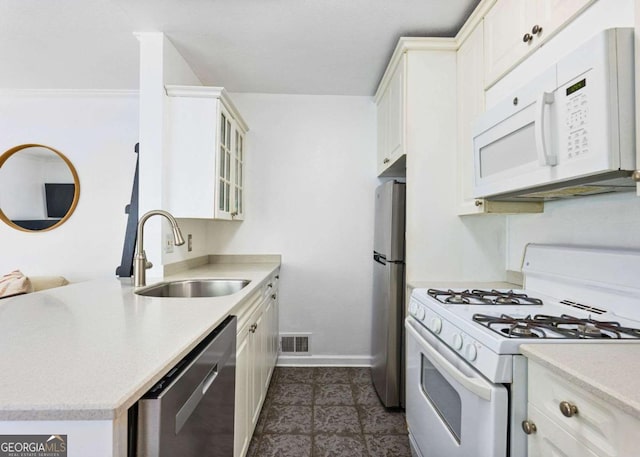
{"x":140,"y":262}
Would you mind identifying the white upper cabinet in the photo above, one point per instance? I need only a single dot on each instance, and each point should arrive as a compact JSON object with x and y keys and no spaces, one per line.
{"x":205,"y":155}
{"x":391,"y":122}
{"x":514,"y":28}
{"x":470,"y":60}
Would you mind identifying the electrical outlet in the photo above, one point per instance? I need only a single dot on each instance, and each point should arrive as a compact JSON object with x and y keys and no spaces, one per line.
{"x":189,"y":242}
{"x":168,"y":243}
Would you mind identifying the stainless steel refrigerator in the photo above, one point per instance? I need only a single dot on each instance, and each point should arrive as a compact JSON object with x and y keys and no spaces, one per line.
{"x":388,"y":292}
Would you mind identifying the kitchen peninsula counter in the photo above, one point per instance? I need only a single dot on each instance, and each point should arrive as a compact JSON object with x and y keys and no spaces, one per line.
{"x":608,"y":371}
{"x":90,"y":350}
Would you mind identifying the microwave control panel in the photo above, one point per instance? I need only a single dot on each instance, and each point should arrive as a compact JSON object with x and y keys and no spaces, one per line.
{"x":577,"y":119}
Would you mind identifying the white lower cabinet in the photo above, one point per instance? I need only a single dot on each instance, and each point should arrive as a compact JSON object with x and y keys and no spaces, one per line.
{"x":256,"y":355}
{"x":566,"y":420}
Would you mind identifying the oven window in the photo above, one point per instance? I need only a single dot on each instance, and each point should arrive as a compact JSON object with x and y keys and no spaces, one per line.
{"x":443,"y":397}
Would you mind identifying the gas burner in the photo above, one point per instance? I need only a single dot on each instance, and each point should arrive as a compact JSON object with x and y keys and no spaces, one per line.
{"x":564,"y":326}
{"x":508,"y":297}
{"x":483,"y":297}
{"x":459,"y":297}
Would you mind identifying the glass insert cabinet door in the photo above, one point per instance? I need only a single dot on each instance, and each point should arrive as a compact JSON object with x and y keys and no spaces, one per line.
{"x":230,"y":173}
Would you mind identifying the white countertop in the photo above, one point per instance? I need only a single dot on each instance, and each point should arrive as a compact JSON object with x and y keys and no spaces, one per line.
{"x":90,"y":350}
{"x":609,"y":371}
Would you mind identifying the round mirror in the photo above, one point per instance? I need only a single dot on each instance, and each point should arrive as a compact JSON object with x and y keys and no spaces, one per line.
{"x":39,"y":188}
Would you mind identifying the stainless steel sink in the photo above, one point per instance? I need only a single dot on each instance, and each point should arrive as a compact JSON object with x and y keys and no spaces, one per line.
{"x":194,"y":288}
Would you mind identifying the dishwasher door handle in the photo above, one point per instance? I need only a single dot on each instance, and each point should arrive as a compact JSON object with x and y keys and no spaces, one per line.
{"x":208,"y":380}
{"x":193,"y":401}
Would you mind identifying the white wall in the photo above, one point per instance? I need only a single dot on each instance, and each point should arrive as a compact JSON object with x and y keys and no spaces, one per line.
{"x":442,"y":246}
{"x":97,"y":132}
{"x":160,"y":64}
{"x":605,"y":220}
{"x":310,"y":175}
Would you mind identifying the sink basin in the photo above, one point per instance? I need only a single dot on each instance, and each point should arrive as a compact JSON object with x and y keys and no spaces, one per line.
{"x":194,"y":288}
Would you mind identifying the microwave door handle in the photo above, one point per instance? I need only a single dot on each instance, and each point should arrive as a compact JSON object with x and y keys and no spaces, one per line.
{"x":545,"y":158}
{"x":475,"y":385}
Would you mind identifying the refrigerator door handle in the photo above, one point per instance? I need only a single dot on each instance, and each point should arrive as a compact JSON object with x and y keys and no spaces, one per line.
{"x":381,"y":259}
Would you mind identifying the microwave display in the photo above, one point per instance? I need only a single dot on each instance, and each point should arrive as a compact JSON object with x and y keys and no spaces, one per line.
{"x":576,"y":87}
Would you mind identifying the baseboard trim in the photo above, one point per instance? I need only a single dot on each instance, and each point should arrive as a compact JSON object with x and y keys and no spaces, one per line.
{"x":324,"y":361}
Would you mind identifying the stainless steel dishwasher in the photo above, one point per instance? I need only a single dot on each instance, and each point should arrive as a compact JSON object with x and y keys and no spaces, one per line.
{"x":189,"y":412}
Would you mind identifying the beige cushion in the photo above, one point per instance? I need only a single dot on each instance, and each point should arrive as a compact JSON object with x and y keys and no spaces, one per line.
{"x":14,"y":283}
{"x":47,"y":282}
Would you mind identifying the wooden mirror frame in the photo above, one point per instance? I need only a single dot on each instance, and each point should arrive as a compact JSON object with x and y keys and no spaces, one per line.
{"x":76,"y":181}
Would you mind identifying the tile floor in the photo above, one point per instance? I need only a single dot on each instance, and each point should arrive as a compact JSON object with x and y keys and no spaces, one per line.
{"x":327,"y":412}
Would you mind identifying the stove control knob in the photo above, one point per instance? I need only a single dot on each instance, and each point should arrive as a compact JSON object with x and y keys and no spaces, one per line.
{"x":435,"y":325}
{"x":471,"y":352}
{"x":413,"y":308}
{"x":457,"y":341}
{"x":421,"y":314}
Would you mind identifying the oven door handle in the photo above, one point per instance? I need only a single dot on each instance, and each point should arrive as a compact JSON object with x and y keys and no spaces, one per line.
{"x":475,"y":385}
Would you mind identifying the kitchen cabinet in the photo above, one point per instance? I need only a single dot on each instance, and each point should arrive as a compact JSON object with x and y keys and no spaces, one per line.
{"x":566,"y":419}
{"x":391,"y":123}
{"x":470,"y":91}
{"x":206,"y":154}
{"x":513,"y":29}
{"x":256,"y":356}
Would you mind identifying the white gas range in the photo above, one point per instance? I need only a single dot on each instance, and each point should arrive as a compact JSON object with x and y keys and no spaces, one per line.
{"x":466,"y":380}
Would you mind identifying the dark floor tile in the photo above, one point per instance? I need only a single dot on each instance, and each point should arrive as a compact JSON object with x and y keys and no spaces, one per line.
{"x":288,"y":419}
{"x":388,"y":445}
{"x":293,"y":375}
{"x":262,"y":419}
{"x":333,"y":394}
{"x":365,"y":394}
{"x":253,"y":447}
{"x":336,"y":419}
{"x":325,"y":445}
{"x":376,"y":419}
{"x":361,"y":375}
{"x":291,"y":394}
{"x":332,"y":375}
{"x":285,"y":446}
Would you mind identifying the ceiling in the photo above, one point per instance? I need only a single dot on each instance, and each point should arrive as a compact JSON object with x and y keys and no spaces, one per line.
{"x":338,"y":47}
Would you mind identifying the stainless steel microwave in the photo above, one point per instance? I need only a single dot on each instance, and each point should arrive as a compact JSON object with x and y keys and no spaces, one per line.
{"x":568,"y":132}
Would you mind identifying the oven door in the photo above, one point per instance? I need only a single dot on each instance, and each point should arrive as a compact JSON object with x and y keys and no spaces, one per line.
{"x":452,"y":411}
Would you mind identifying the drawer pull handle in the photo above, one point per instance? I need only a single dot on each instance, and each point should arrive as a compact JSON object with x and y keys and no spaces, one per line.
{"x":478,"y":202}
{"x":567,"y":409}
{"x":386,"y":160}
{"x":529,"y":427}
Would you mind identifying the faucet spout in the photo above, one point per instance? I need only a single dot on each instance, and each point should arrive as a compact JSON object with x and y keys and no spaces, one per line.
{"x":140,"y":263}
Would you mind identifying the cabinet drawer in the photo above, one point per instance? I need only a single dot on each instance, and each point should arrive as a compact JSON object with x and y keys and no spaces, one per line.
{"x":550,"y":440}
{"x":596,"y":424}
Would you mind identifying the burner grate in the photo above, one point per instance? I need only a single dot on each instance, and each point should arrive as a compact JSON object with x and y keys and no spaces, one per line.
{"x":482,"y":297}
{"x":564,"y":326}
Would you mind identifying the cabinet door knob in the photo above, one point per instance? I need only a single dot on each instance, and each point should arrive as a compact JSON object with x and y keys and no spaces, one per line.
{"x":277,"y":276}
{"x":270,"y":285}
{"x":386,"y":160}
{"x":234,"y":214}
{"x":636,"y":176}
{"x":567,"y":409}
{"x":536,"y":30}
{"x":527,"y":37}
{"x":274,"y":296}
{"x":529,"y":427}
{"x":478,"y":202}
